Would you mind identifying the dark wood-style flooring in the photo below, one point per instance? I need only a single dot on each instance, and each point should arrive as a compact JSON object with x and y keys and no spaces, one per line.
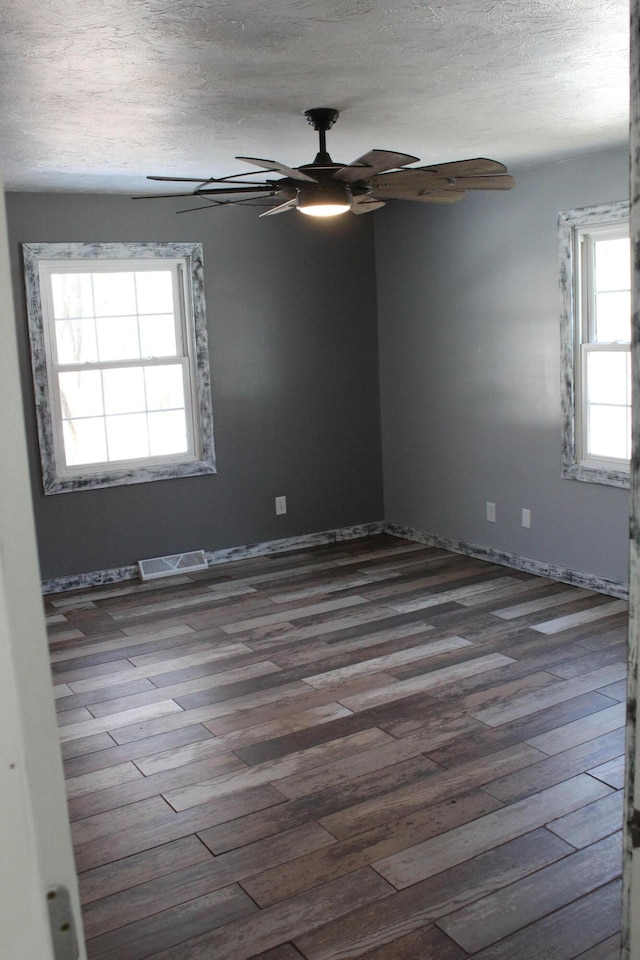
{"x":374,"y":749}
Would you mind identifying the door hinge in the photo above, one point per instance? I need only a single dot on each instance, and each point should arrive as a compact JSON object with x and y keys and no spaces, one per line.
{"x":634,"y":829}
{"x":63,"y":927}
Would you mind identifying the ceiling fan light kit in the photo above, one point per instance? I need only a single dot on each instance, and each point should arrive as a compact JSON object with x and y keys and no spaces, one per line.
{"x":327,"y":189}
{"x":324,"y":199}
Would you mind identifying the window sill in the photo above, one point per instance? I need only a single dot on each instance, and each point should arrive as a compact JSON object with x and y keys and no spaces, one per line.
{"x":115,"y":478}
{"x":610,"y":477}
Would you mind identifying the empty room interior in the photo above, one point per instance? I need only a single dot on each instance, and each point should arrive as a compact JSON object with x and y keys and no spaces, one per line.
{"x":331,"y":510}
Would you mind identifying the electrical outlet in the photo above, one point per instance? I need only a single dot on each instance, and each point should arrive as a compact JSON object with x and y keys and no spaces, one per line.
{"x":491,"y":512}
{"x":526,"y":517}
{"x":281,"y":505}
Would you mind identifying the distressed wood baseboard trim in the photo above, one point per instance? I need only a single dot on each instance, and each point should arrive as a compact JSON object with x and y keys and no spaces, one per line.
{"x":612,"y":588}
{"x":118,"y":574}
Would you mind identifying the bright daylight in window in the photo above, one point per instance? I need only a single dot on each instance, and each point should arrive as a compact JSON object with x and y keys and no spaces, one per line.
{"x":596,"y":343}
{"x":118,"y":340}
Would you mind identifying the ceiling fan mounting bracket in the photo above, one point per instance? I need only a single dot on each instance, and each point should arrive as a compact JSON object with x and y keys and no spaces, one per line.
{"x":322,"y":118}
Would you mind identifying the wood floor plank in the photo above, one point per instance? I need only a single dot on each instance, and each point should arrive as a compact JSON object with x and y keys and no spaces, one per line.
{"x":196,"y":880}
{"x":283,"y":922}
{"x":108,"y":692}
{"x":564,"y":690}
{"x":248,"y":710}
{"x":611,"y":772}
{"x":606,"y":609}
{"x":433,"y":856}
{"x":542,"y":603}
{"x":428,"y":942}
{"x":216,"y":686}
{"x":288,"y":614}
{"x":607,"y":950}
{"x":112,"y":878}
{"x":330,"y":775}
{"x":486,"y":740}
{"x":112,"y":776}
{"x":578,"y":731}
{"x":113,"y":797}
{"x":590,"y":823}
{"x":521,"y":903}
{"x":406,"y":688}
{"x":130,"y":817}
{"x":386,"y":661}
{"x":378,"y":926}
{"x":166,"y":825}
{"x":306,"y":872}
{"x":585,"y":757}
{"x":272,"y":771}
{"x":284,"y":952}
{"x":576,"y":666}
{"x":401,"y":801}
{"x":565,"y":933}
{"x":228,"y":835}
{"x":86,"y":728}
{"x":172,"y":927}
{"x":117,"y":646}
{"x":106,"y":753}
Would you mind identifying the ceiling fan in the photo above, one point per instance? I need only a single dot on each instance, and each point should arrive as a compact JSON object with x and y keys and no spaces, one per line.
{"x":325,"y":189}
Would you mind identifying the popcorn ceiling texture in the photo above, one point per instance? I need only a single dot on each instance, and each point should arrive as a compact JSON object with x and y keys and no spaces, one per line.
{"x":96,"y":95}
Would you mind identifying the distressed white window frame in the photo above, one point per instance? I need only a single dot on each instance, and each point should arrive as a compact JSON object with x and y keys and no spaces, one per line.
{"x":203,"y":460}
{"x":570,"y":223}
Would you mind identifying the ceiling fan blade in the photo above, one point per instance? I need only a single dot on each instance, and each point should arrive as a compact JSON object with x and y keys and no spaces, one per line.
{"x":289,"y":205}
{"x":366,"y":205}
{"x":451,"y":196}
{"x":498,"y":182}
{"x":470,"y":168}
{"x":419,"y":180}
{"x":230,"y":191}
{"x":392,"y":192}
{"x":214,"y":202}
{"x":161,"y":196}
{"x":273,"y":166}
{"x":375,"y":161}
{"x":184,"y":179}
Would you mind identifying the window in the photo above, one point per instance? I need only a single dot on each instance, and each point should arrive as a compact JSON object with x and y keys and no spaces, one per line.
{"x":596,"y":350}
{"x":119,"y":355}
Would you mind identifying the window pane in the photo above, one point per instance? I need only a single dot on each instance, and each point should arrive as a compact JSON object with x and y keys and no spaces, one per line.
{"x":613,"y":265}
{"x":76,"y":341}
{"x":609,"y":432}
{"x":607,"y":377}
{"x":81,"y":394}
{"x":114,"y":294}
{"x":167,"y":433}
{"x":127,"y":437}
{"x":158,"y":336}
{"x":124,"y":390}
{"x":155,"y":291}
{"x":165,"y":389}
{"x":84,"y":441}
{"x":613,"y":317}
{"x":72,"y":295}
{"x":118,"y":338}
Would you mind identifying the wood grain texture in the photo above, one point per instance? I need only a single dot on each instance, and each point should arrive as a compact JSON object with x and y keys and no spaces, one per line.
{"x":369,"y":750}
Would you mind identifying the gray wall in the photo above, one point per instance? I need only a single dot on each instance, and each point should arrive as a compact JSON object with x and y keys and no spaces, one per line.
{"x":468,"y":310}
{"x":292,"y":334}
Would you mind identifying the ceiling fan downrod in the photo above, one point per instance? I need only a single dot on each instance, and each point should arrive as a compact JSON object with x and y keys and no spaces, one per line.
{"x":322,"y":119}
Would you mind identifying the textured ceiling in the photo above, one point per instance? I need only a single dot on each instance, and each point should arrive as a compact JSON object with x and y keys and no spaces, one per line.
{"x":94,"y":95}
